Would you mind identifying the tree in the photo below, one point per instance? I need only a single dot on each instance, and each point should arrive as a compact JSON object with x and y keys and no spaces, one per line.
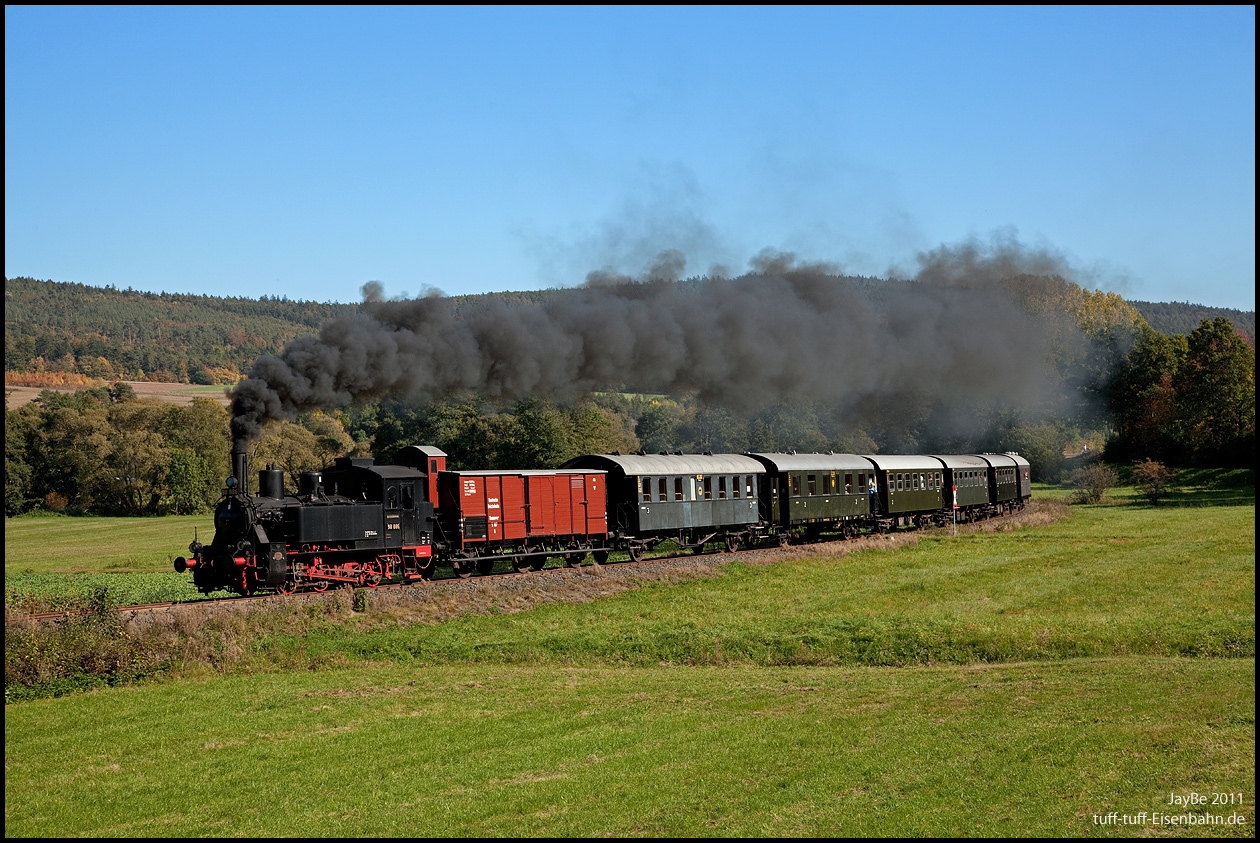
{"x":1143,"y":398}
{"x":17,"y":474}
{"x":656,"y":425}
{"x":67,"y":445}
{"x":291,"y":447}
{"x":1154,"y":480}
{"x":331,"y":439}
{"x":188,"y":479}
{"x":1216,"y":396}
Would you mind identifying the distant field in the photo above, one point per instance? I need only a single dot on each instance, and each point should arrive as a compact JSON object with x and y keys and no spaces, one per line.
{"x":175,"y":393}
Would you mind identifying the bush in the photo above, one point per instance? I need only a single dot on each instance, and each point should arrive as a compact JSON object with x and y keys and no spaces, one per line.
{"x":1154,"y":479}
{"x":1092,"y":482}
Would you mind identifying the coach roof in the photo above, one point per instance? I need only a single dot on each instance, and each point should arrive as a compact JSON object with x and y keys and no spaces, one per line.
{"x":815,"y":462}
{"x":888,"y":462}
{"x":953,"y":461}
{"x":998,"y":460}
{"x":637,"y":465}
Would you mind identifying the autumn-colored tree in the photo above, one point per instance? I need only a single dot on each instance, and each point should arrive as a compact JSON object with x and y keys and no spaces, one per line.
{"x":1153,"y":479}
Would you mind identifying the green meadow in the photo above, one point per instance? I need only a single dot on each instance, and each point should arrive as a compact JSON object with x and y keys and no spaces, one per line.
{"x":52,"y":560}
{"x":1024,"y":682}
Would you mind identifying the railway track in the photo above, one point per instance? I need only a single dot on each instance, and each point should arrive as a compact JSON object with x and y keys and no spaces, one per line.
{"x":454,"y":579}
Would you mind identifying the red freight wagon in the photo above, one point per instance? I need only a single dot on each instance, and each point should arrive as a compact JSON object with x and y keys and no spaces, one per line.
{"x":522,"y":517}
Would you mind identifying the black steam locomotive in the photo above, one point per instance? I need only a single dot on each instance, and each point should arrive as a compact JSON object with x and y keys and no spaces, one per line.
{"x":354,"y":522}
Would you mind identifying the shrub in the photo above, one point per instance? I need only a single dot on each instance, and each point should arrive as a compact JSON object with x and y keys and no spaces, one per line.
{"x":1092,"y":482}
{"x":1154,"y":479}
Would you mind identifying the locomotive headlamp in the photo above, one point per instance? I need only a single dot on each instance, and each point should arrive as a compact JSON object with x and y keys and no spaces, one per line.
{"x":230,"y":482}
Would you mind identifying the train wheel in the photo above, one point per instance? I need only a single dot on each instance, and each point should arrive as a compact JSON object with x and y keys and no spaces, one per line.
{"x":287,"y":587}
{"x":373,"y":573}
{"x":485,"y":566}
{"x":784,"y":539}
{"x":600,"y":556}
{"x":462,"y":566}
{"x":636,"y":552}
{"x":319,"y":586}
{"x":732,"y":543}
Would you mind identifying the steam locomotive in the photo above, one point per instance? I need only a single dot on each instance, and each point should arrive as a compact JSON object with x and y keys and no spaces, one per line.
{"x":360,"y":523}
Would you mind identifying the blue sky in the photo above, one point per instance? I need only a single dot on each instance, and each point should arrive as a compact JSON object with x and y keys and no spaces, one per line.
{"x":303,"y":152}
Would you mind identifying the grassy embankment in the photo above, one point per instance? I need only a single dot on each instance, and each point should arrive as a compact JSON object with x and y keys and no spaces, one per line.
{"x":1031,"y":680}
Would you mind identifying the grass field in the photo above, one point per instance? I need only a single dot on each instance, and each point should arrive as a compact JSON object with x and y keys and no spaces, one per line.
{"x":462,"y":750}
{"x":1011,"y":683}
{"x":52,"y":560}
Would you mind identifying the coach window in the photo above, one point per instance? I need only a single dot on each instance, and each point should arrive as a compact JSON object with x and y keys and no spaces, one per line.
{"x":914,"y":482}
{"x":662,"y":490}
{"x":647,"y":489}
{"x":735,"y":481}
{"x":391,"y":497}
{"x":721,"y":488}
{"x":922,"y":481}
{"x":796,"y":485}
{"x":862,"y":482}
{"x":409,"y":497}
{"x":811,"y":484}
{"x":848,"y":483}
{"x":678,"y":493}
{"x":708,"y":488}
{"x":749,"y":488}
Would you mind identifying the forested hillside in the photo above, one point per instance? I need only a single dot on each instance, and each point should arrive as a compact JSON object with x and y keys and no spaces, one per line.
{"x":106,"y":333}
{"x":1107,"y":379}
{"x":1177,"y":317}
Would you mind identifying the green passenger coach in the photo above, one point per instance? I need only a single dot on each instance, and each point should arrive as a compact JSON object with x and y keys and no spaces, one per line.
{"x":908,"y":486}
{"x":816,"y":493}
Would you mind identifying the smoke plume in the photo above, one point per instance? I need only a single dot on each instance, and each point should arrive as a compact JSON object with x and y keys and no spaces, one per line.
{"x":787,"y":330}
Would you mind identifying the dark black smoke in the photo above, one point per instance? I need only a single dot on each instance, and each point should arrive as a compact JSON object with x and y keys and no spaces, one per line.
{"x":787,"y":331}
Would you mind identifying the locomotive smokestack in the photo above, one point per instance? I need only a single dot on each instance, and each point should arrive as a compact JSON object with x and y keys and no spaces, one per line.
{"x":240,"y":469}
